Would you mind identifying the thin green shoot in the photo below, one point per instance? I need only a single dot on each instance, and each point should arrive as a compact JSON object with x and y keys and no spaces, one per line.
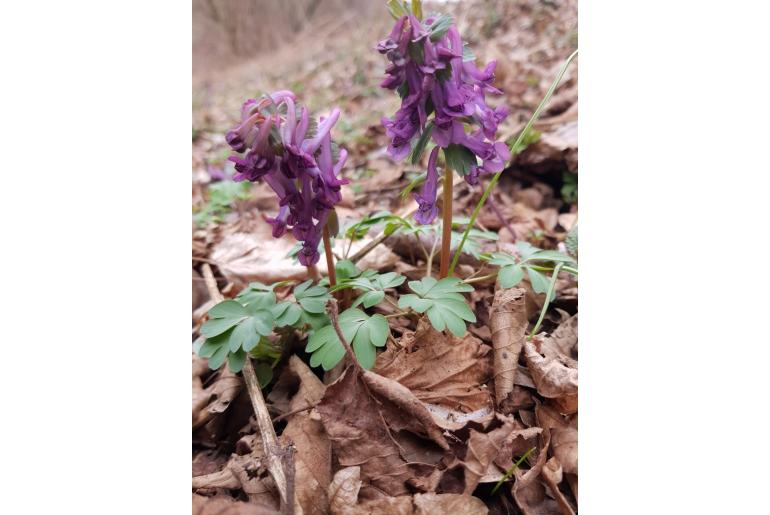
{"x":548,"y":297}
{"x":510,"y":471}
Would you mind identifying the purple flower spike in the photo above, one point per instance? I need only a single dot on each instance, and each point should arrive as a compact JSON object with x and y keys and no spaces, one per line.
{"x":436,"y":85}
{"x":427,"y":210}
{"x":302,"y":171}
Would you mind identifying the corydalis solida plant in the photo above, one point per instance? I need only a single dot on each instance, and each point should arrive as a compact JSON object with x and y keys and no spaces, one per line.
{"x":293,"y":154}
{"x":443,"y":98}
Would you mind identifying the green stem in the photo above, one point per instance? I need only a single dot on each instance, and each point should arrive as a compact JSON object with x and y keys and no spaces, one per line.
{"x":471,"y":280}
{"x":509,"y":472}
{"x":548,"y":296}
{"x":514,"y":151}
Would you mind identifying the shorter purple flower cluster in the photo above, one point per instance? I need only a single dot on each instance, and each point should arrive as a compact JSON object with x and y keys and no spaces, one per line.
{"x":428,"y":70}
{"x":287,"y":151}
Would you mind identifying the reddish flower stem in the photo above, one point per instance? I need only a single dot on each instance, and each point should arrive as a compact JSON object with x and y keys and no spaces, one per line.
{"x":329,"y":257}
{"x":446,"y":236}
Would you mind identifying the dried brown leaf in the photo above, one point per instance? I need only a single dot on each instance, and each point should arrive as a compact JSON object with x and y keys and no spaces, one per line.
{"x":553,"y":475}
{"x":447,"y":373}
{"x":564,"y":436}
{"x":551,"y":375}
{"x":482,"y":450}
{"x":343,"y":489}
{"x":454,"y":504}
{"x":508,"y":323}
{"x":216,"y":397}
{"x":223,"y":505}
{"x":356,"y":427}
{"x":245,"y":257}
{"x":312,"y":460}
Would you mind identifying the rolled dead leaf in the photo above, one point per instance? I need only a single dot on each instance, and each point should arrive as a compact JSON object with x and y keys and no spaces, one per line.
{"x":343,"y":490}
{"x":402,"y":397}
{"x":553,"y":378}
{"x":552,"y":475}
{"x":508,"y":323}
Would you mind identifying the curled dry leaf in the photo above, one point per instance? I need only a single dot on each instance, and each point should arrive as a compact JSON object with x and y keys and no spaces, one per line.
{"x":562,"y":341}
{"x":241,"y":472}
{"x":343,"y":489}
{"x":564,"y":436}
{"x":551,"y":375}
{"x":419,"y":504}
{"x":532,"y":499}
{"x":216,"y":398}
{"x":446,"y":373}
{"x":482,"y":450}
{"x":223,"y":505}
{"x":508,"y":321}
{"x":552,"y":475}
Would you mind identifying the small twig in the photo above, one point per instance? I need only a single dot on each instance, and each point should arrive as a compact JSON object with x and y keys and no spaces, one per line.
{"x":211,"y":283}
{"x":292,"y":412}
{"x":334,"y":313}
{"x":496,"y":209}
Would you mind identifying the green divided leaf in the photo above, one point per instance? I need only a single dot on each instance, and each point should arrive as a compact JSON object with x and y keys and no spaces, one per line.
{"x":539,"y":281}
{"x":510,"y":275}
{"x":363,"y":332}
{"x":442,"y":301}
{"x":286,"y":314}
{"x":222,"y":317}
{"x":312,"y":298}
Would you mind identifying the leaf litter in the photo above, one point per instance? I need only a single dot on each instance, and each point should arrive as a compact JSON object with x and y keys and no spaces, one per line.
{"x":439,"y":418}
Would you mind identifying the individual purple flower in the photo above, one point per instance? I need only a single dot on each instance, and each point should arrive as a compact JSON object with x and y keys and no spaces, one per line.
{"x":437,"y":85}
{"x":426,"y":199}
{"x":278,"y":147}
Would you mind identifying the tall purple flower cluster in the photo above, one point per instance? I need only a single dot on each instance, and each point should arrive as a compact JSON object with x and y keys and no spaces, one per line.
{"x":293,"y":154}
{"x":428,"y":71}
